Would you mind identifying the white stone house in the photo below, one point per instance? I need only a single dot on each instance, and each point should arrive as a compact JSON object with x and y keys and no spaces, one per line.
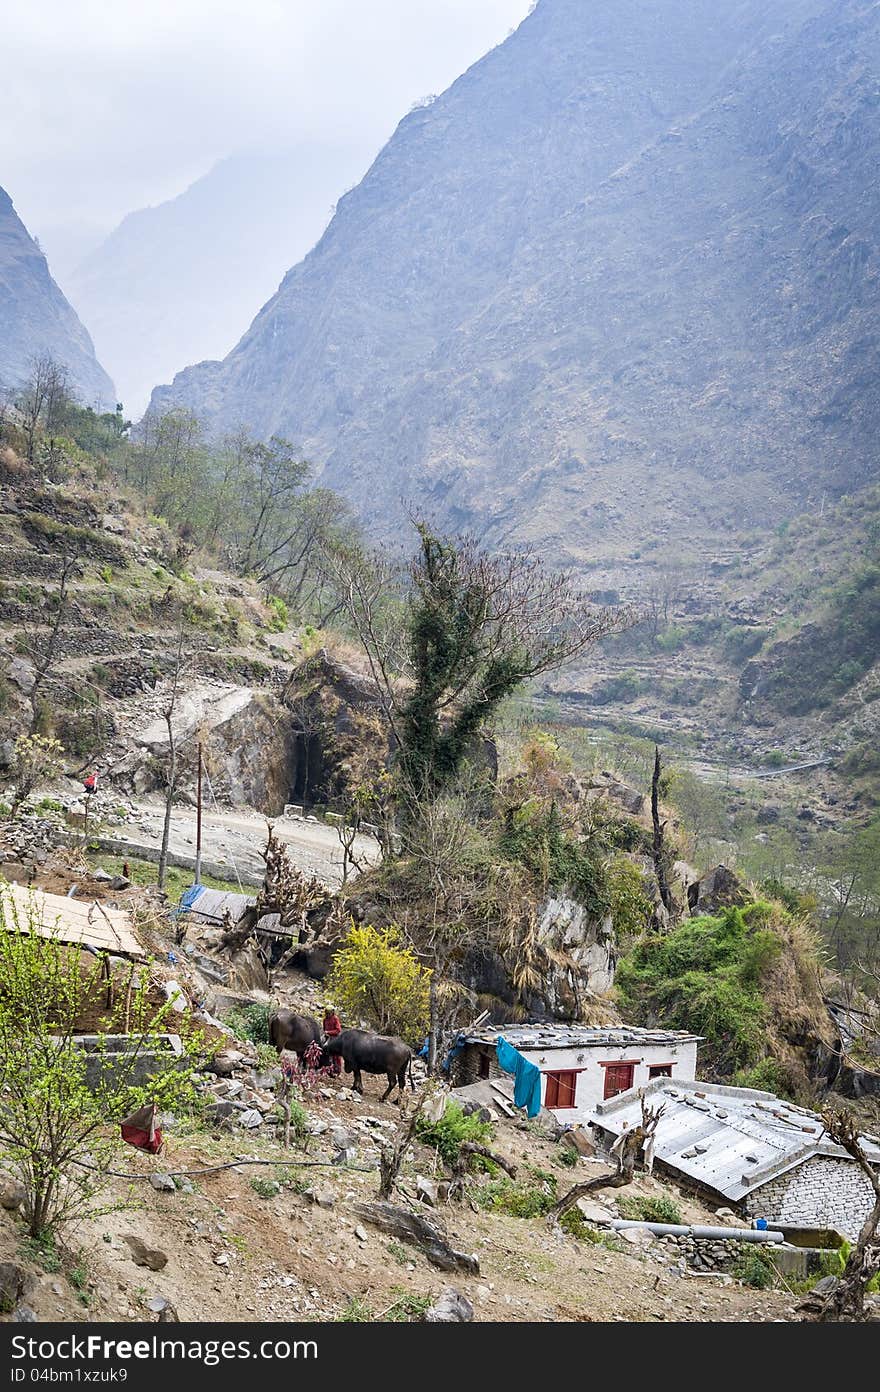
{"x":768,"y":1158}
{"x":580,"y":1065}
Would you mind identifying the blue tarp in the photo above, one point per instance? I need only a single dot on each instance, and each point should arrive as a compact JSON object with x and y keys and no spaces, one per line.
{"x":527,"y":1087}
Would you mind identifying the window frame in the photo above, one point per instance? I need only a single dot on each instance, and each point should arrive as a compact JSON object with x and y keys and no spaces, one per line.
{"x":555,"y":1074}
{"x":631,"y":1064}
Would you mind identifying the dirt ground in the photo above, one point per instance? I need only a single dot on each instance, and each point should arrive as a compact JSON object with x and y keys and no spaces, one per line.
{"x":234,"y":1255}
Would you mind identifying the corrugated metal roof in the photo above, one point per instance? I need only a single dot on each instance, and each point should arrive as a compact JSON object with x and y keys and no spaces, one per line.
{"x":732,"y":1140}
{"x":210,"y":904}
{"x":554,"y":1036}
{"x":76,"y":921}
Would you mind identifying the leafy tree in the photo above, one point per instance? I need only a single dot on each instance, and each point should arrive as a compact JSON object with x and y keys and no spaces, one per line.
{"x":376,"y":979}
{"x":53,"y":1124}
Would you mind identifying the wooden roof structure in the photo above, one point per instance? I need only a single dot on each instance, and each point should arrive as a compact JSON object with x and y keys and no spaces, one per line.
{"x":81,"y":922}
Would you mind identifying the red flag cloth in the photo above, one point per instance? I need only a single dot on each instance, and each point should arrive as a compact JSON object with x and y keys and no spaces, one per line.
{"x":140,"y":1129}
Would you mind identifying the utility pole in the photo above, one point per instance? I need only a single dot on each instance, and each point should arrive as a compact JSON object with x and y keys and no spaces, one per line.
{"x":198,"y":872}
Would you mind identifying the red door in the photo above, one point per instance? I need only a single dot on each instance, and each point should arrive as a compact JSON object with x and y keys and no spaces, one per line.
{"x":618,"y":1077}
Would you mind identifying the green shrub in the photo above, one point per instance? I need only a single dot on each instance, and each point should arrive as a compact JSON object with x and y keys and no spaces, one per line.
{"x":643,"y":1209}
{"x":566,"y":1156}
{"x":250,"y":1022}
{"x":621,"y":689}
{"x":266,"y":1188}
{"x":767,"y":1075}
{"x":279,"y":619}
{"x":449,"y":1134}
{"x":517,"y":1199}
{"x":536,"y":836}
{"x":706,"y":976}
{"x":755,"y":1268}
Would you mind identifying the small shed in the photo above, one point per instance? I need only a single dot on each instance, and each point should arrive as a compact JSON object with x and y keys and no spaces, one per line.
{"x":80,"y":922}
{"x":769,"y":1158}
{"x":580,"y":1064}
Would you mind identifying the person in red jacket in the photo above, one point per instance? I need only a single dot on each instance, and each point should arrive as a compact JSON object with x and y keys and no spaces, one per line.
{"x":91,"y":783}
{"x":332,"y":1025}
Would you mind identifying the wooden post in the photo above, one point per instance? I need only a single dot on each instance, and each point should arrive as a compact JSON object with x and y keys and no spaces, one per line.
{"x":198,"y":871}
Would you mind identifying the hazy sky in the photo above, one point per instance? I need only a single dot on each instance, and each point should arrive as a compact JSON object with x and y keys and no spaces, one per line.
{"x":110,"y":105}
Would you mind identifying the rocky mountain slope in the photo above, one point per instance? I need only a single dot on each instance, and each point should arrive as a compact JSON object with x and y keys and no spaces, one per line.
{"x":624,"y":269}
{"x":190,"y":272}
{"x":35,"y":317}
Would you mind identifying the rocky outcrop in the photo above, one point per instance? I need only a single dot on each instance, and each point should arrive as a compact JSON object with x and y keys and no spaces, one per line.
{"x":250,"y":742}
{"x":36,"y":318}
{"x":630,"y":257}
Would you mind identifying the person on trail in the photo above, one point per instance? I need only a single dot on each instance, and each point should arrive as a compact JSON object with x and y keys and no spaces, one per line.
{"x":332,"y":1025}
{"x":90,"y":783}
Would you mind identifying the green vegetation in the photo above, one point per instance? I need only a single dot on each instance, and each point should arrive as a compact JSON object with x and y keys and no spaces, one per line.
{"x":535,"y":835}
{"x":405,"y":1308}
{"x":755,"y":1268}
{"x":643,"y":1209}
{"x":451,"y":1132}
{"x":250,"y":1022}
{"x":266,"y":1188}
{"x":143,"y":872}
{"x":706,"y":976}
{"x":516,"y":1198}
{"x":53,"y":1123}
{"x":280,"y":619}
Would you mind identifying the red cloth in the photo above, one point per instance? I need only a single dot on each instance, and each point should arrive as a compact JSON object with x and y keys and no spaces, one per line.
{"x":332,"y":1024}
{"x":91,"y":783}
{"x":140,"y":1129}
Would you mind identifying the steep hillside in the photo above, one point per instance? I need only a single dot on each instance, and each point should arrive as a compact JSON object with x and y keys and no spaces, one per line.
{"x":35,"y":317}
{"x":622,"y":271}
{"x":190,"y":272}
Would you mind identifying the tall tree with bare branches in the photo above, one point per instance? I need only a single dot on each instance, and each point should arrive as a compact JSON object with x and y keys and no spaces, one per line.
{"x":474,"y":627}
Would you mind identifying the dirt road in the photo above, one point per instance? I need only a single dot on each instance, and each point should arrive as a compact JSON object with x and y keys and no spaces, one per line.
{"x":234,"y":840}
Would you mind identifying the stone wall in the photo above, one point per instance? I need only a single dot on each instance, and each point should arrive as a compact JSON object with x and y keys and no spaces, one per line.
{"x":825,"y":1192}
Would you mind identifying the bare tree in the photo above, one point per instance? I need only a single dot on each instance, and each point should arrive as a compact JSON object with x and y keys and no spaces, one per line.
{"x":660,"y":853}
{"x":43,"y":650}
{"x":436,"y":841}
{"x":42,"y":399}
{"x":628,"y":1149}
{"x":468,"y":628}
{"x":180,"y":663}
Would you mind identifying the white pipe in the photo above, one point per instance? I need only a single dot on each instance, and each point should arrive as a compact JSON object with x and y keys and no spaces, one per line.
{"x":691,"y":1230}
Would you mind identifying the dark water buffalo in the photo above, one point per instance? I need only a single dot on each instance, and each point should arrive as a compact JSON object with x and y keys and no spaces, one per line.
{"x":364,"y":1052}
{"x":293,"y":1032}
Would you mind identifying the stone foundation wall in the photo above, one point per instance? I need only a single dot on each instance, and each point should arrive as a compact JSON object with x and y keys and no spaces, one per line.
{"x":823,"y":1193}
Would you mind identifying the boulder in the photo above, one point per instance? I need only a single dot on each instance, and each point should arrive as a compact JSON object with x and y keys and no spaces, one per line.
{"x":13,"y":1279}
{"x":718,"y":889}
{"x":451,"y":1307}
{"x":12,"y":1193}
{"x":142,"y":1255}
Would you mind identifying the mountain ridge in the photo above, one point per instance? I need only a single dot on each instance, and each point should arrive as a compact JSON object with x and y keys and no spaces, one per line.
{"x":579,"y":322}
{"x":37,"y":318}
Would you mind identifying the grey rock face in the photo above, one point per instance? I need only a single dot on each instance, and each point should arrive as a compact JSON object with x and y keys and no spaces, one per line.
{"x":634,"y":248}
{"x":37,"y":319}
